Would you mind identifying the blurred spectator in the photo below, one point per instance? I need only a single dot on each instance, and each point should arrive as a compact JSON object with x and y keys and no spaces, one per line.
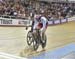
{"x":24,"y":9}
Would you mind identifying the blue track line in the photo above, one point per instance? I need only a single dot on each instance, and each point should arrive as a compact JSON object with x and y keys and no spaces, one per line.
{"x":57,"y":53}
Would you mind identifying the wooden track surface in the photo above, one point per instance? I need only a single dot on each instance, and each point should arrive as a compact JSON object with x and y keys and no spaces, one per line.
{"x":13,"y":39}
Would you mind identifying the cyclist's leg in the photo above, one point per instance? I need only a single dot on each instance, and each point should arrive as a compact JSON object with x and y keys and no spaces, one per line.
{"x":43,"y":30}
{"x":34,"y":33}
{"x":42,"y":33}
{"x":34,"y":29}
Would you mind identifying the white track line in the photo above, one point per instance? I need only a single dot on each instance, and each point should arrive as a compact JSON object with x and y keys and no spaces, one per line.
{"x":9,"y":56}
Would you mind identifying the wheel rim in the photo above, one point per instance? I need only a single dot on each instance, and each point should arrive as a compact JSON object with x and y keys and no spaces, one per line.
{"x":35,"y":45}
{"x":29,"y":38}
{"x":31,"y":41}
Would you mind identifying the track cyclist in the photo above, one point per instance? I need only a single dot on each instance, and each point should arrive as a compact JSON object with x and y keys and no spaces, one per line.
{"x":40,"y":22}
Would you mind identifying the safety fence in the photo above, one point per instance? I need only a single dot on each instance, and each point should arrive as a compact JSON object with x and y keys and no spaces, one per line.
{"x":9,"y":21}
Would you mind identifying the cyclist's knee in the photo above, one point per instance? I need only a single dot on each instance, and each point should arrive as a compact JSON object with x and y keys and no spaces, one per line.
{"x":34,"y":31}
{"x":42,"y":31}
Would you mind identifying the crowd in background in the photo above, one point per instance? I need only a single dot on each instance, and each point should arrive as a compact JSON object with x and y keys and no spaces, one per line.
{"x":12,"y":8}
{"x":60,"y":10}
{"x":28,"y":10}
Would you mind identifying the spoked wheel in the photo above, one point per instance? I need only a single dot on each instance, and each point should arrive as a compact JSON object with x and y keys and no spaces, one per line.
{"x":44,"y":40}
{"x":35,"y":45}
{"x":31,"y":41}
{"x":29,"y":38}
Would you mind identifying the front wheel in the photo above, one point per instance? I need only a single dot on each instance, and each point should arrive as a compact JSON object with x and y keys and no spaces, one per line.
{"x":35,"y":43}
{"x":32,"y":41}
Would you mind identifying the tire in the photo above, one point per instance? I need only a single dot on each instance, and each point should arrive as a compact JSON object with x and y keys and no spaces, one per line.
{"x":35,"y":43}
{"x":44,"y":40}
{"x":32,"y":41}
{"x":29,"y":38}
